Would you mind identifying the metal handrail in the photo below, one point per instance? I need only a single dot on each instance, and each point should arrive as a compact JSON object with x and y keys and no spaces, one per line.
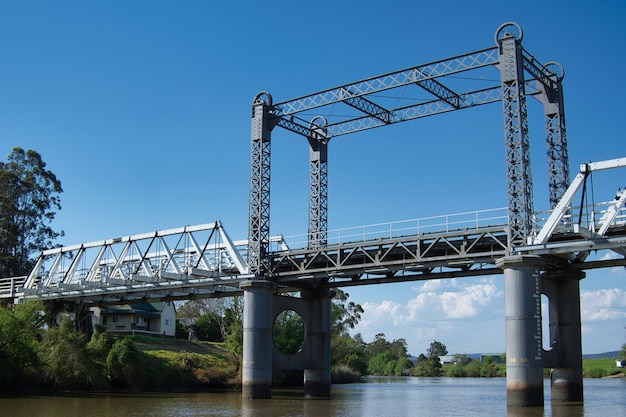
{"x":471,"y":220}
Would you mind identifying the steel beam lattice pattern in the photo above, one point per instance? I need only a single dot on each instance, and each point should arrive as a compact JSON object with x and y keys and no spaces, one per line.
{"x":419,"y":75}
{"x":259,"y":210}
{"x":556,"y":138}
{"x":175,"y":263}
{"x":517,"y":144}
{"x":318,"y":188}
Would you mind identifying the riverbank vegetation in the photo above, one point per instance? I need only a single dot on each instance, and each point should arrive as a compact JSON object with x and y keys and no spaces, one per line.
{"x":36,"y":357}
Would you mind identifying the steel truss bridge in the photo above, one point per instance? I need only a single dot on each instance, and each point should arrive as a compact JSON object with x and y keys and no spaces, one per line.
{"x":202,"y":261}
{"x":533,"y":249}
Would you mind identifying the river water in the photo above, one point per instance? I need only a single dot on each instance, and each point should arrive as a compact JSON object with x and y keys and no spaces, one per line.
{"x":377,"y":398}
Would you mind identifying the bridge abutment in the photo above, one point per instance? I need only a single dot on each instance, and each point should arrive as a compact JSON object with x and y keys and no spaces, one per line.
{"x":256,"y":377}
{"x":524,"y":365}
{"x":565,"y":353}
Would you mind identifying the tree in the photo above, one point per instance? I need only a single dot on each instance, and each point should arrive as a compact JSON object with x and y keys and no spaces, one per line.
{"x":437,"y":349}
{"x":19,"y":331}
{"x":344,"y":314}
{"x":29,"y":198}
{"x":67,"y":360}
{"x":288,"y":332}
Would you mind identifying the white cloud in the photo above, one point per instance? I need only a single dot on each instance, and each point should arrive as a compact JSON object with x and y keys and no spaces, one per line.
{"x":606,"y":304}
{"x":430,"y":311}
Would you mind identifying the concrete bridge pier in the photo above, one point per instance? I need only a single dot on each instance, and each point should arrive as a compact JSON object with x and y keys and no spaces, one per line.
{"x":317,"y":344}
{"x":524,"y":365}
{"x":256,"y":375}
{"x":564,"y":355}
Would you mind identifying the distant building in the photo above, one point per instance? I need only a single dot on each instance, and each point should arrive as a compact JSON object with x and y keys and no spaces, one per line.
{"x":148,"y":319}
{"x":619,"y":363}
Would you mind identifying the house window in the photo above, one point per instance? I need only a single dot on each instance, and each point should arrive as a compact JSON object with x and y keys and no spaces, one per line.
{"x":168,"y":322}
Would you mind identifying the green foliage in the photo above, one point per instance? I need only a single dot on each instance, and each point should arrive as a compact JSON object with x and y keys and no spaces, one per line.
{"x":288,"y":332}
{"x":29,"y":196}
{"x":100,"y":344}
{"x":123,"y":365}
{"x":428,"y":366}
{"x":437,"y":349}
{"x":387,"y":358}
{"x":233,"y":318}
{"x":381,"y":364}
{"x":207,"y":327}
{"x":19,"y":331}
{"x":67,"y":363}
{"x":344,"y":314}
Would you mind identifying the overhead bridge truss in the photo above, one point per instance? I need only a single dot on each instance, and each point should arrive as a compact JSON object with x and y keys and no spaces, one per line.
{"x":504,"y":73}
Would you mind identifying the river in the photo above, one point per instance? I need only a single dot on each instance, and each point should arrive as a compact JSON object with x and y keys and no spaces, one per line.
{"x":378,"y":397}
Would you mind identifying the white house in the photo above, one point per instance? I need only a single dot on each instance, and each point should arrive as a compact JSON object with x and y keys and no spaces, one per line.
{"x":150,"y":319}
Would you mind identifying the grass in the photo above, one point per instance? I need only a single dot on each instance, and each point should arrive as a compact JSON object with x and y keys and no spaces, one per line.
{"x":188,"y":364}
{"x":600,"y":368}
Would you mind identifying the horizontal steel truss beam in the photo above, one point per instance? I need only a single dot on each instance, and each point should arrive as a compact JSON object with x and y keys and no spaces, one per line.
{"x":138,"y":289}
{"x":419,"y":75}
{"x":403,"y":114}
{"x":461,"y":250}
{"x":424,"y":76}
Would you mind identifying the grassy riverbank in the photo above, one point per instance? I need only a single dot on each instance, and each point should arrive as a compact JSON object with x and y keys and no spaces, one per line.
{"x":183,"y":364}
{"x":600,"y":368}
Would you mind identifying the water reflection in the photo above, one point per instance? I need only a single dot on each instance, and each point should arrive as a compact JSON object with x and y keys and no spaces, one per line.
{"x":420,"y":397}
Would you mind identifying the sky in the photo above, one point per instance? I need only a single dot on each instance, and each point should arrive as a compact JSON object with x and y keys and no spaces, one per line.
{"x":142,"y":110}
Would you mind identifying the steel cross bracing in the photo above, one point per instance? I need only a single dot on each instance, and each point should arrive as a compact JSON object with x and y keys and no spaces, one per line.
{"x":187,"y":262}
{"x":451,"y":84}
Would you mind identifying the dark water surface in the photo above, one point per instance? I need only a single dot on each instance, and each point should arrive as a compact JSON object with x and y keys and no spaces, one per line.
{"x":376,"y":398}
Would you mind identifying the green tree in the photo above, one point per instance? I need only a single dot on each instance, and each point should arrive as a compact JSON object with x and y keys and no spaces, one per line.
{"x":29,"y":198}
{"x":19,"y":331}
{"x":123,"y":364}
{"x":428,"y":366}
{"x":66,"y":359}
{"x":288,"y":332}
{"x":233,"y":318}
{"x":344,"y":314}
{"x":437,"y":349}
{"x":207,"y":327}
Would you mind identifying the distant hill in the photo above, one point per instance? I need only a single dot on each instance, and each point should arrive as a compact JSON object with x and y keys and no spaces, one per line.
{"x":606,"y":355}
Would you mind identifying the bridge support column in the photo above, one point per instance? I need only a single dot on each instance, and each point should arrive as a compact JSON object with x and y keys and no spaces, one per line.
{"x":565,"y":356}
{"x":256,"y":375}
{"x":317,"y":362}
{"x":524,"y":366}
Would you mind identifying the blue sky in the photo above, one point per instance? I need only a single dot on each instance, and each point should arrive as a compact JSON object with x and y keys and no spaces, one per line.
{"x":142,"y":110}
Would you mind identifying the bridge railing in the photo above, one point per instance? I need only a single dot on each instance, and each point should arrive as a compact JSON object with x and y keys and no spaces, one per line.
{"x":8,"y":286}
{"x":471,"y":220}
{"x":589,"y":217}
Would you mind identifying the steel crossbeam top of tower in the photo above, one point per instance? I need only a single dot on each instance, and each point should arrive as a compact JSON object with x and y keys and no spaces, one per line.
{"x":433,"y":88}
{"x":504,"y":73}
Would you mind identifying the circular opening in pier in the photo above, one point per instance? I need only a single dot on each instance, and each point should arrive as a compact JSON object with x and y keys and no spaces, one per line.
{"x":288,"y":332}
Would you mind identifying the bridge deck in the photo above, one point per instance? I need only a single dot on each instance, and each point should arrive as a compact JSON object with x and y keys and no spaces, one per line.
{"x":171,"y":264}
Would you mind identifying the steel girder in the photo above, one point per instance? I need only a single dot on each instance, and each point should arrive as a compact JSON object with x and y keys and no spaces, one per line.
{"x":556,"y":138}
{"x":423,"y":76}
{"x":259,"y":210}
{"x":318,"y":187}
{"x":463,"y":251}
{"x":517,"y":144}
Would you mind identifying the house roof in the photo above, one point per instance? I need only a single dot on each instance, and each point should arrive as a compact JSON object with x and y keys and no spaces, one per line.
{"x":145,"y":310}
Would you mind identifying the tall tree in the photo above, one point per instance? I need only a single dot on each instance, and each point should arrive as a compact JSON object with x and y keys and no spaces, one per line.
{"x":29,"y":198}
